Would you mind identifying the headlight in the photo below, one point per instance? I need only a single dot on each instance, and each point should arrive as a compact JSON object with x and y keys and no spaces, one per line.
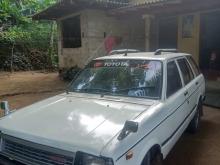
{"x":86,"y":159}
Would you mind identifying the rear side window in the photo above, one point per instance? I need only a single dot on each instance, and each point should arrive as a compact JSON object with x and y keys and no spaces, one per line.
{"x":173,"y":79}
{"x":194,"y":65}
{"x":186,"y":71}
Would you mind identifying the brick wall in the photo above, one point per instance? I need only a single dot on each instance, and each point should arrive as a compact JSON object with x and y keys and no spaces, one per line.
{"x":94,"y":24}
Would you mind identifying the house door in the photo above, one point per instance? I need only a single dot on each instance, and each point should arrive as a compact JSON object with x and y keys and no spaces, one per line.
{"x":210,"y":55}
{"x":168,"y":32}
{"x":210,"y":44}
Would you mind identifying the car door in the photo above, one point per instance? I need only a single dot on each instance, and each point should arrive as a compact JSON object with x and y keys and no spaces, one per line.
{"x":175,"y":106}
{"x":198,"y":80}
{"x":189,"y":83}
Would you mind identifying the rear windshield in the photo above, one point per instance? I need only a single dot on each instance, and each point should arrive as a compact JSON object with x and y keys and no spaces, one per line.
{"x":129,"y":78}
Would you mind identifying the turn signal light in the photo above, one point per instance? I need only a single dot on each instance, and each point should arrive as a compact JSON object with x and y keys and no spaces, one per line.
{"x":129,"y":155}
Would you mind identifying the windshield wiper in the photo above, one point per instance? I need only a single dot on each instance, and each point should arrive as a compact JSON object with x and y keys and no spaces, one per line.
{"x":134,"y":88}
{"x":93,"y":89}
{"x":101,"y":91}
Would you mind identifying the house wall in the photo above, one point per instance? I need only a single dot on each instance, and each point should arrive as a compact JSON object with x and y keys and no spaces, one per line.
{"x":190,"y":45}
{"x":131,"y":31}
{"x":95,"y":24}
{"x":69,"y":57}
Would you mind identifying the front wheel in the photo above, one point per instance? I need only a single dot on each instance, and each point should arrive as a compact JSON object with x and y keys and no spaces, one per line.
{"x":153,"y":159}
{"x":157,"y":159}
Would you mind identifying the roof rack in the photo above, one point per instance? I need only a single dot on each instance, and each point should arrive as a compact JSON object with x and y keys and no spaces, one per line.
{"x":123,"y":51}
{"x":160,"y":51}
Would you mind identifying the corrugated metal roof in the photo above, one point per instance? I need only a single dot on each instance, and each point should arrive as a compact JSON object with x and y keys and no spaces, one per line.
{"x":119,"y":2}
{"x":64,"y":7}
{"x":131,"y":2}
{"x":146,"y":2}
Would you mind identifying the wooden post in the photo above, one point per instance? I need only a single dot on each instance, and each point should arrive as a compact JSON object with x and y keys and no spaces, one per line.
{"x":147,"y":19}
{"x":52,"y":43}
{"x":12,"y":57}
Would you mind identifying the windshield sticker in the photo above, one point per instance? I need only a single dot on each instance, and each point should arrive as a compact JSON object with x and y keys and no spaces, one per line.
{"x":132,"y":64}
{"x":116,"y":64}
{"x":98,"y":64}
{"x":144,"y":66}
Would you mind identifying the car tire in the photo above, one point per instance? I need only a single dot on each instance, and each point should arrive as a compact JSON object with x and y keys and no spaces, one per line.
{"x":153,"y":159}
{"x":157,"y":159}
{"x":195,"y":123}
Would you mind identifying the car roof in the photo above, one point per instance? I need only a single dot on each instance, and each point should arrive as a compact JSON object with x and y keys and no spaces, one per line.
{"x":144,"y":56}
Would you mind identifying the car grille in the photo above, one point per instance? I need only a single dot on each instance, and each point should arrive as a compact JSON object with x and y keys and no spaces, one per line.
{"x":32,"y":154}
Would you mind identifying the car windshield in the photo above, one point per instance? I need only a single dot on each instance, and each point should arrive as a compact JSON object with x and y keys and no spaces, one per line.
{"x":129,"y":78}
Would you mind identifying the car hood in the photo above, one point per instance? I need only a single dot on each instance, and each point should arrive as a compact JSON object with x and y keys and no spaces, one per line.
{"x":73,"y":122}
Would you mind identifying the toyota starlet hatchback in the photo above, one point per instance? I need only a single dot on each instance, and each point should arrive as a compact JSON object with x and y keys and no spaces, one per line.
{"x":123,"y":109}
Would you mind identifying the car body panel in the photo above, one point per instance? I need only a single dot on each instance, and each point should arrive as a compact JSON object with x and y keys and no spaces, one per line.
{"x":72,"y":123}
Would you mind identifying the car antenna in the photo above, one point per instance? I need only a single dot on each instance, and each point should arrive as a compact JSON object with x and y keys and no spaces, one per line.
{"x":126,"y":53}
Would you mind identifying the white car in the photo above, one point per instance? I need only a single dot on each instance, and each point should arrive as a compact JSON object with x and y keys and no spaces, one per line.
{"x":125,"y":109}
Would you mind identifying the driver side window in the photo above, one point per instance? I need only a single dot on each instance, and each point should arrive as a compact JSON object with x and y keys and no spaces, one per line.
{"x":174,"y":82}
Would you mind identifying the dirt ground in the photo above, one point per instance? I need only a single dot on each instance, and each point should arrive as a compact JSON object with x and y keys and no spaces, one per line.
{"x":24,"y":88}
{"x":202,"y":148}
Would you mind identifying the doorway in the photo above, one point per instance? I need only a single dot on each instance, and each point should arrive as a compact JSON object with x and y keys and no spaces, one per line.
{"x":210,"y":44}
{"x":168,"y":32}
{"x":210,"y":55}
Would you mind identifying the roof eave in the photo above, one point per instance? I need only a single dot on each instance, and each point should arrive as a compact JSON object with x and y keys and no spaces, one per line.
{"x":68,"y":7}
{"x":146,"y":6}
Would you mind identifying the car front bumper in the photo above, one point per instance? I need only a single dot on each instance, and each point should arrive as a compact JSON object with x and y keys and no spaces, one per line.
{"x":6,"y":161}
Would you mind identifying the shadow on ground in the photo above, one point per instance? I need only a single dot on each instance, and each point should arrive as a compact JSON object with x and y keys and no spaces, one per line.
{"x":202,"y":148}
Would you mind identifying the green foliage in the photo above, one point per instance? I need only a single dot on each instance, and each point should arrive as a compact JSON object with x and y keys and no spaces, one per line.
{"x":15,"y":34}
{"x":16,"y":12}
{"x":10,"y":14}
{"x":18,"y":29}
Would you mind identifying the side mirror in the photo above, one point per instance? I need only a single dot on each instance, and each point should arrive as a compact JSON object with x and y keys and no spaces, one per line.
{"x":129,"y":127}
{"x":5,"y":107}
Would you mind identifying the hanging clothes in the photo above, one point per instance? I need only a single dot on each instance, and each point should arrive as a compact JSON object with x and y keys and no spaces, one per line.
{"x":110,"y":43}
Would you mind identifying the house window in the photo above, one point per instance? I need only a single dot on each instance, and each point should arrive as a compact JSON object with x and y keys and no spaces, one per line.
{"x":71,"y":32}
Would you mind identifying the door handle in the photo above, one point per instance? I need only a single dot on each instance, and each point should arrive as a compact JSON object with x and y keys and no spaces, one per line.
{"x":186,"y":93}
